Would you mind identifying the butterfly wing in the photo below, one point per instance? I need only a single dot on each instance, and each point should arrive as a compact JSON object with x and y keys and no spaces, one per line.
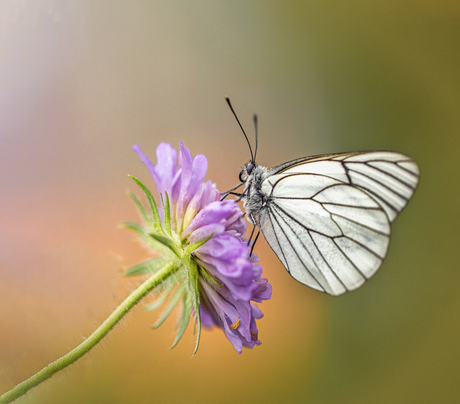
{"x":389,"y":177}
{"x":328,"y":217}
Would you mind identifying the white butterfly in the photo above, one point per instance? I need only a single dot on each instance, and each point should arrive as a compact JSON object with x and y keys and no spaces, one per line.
{"x":327,"y":217}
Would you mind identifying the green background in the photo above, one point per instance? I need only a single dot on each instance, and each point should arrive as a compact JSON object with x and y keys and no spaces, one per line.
{"x":82,"y":81}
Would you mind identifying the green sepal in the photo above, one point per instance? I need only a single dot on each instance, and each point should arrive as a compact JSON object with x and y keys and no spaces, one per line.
{"x":133,"y":226}
{"x":192,"y":290}
{"x":147,"y":267}
{"x":159,"y":302}
{"x":197,"y":330}
{"x":146,"y":237}
{"x":192,"y":247}
{"x":142,"y":210}
{"x":184,"y":320}
{"x":155,"y":215}
{"x":165,"y":288}
{"x":209,"y":277}
{"x":167,"y":214}
{"x":177,"y":295}
{"x":166,"y":241}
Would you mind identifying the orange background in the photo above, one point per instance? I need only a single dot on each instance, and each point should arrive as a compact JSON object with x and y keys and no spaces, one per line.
{"x":82,"y":81}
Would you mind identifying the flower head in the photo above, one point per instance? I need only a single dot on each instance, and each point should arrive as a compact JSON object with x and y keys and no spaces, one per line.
{"x":217,"y":278}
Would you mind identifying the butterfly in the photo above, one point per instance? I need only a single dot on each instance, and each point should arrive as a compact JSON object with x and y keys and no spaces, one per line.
{"x":327,"y":217}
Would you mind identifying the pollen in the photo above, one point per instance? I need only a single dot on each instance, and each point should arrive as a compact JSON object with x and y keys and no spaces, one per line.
{"x":235,"y":325}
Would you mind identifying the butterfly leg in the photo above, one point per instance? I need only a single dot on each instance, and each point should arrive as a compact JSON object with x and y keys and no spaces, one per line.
{"x":254,"y":244}
{"x":233,"y":193}
{"x":252,"y":233}
{"x":229,"y":192}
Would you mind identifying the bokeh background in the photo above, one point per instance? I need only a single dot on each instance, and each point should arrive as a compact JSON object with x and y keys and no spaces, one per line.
{"x":82,"y":81}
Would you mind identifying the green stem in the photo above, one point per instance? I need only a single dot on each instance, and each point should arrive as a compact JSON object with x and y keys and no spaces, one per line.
{"x":93,"y":339}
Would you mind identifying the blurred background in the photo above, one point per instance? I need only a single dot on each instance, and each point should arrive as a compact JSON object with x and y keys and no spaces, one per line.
{"x":82,"y":81}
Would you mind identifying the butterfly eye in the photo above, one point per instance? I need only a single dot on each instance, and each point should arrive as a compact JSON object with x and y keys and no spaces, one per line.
{"x":249,"y":167}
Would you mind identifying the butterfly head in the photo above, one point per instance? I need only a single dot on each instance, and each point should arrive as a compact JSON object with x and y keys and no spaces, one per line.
{"x":247,"y":171}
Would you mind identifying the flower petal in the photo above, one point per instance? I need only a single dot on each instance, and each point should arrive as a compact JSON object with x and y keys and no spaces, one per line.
{"x":148,"y":163}
{"x":205,"y":231}
{"x":193,"y":173}
{"x":215,"y":212}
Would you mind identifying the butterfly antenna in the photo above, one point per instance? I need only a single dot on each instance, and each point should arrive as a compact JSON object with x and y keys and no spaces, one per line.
{"x":239,"y":123}
{"x":257,"y":137}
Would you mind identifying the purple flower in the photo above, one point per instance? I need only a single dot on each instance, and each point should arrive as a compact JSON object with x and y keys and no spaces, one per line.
{"x":229,"y":278}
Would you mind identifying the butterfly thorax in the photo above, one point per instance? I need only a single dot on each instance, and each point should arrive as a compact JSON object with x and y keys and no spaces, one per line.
{"x":253,"y":200}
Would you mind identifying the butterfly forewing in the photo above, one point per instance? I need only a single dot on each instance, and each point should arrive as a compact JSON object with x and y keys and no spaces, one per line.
{"x":328,"y":217}
{"x":389,"y":177}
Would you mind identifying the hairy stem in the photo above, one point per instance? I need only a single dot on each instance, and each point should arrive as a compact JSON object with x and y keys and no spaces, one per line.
{"x":93,"y":339}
